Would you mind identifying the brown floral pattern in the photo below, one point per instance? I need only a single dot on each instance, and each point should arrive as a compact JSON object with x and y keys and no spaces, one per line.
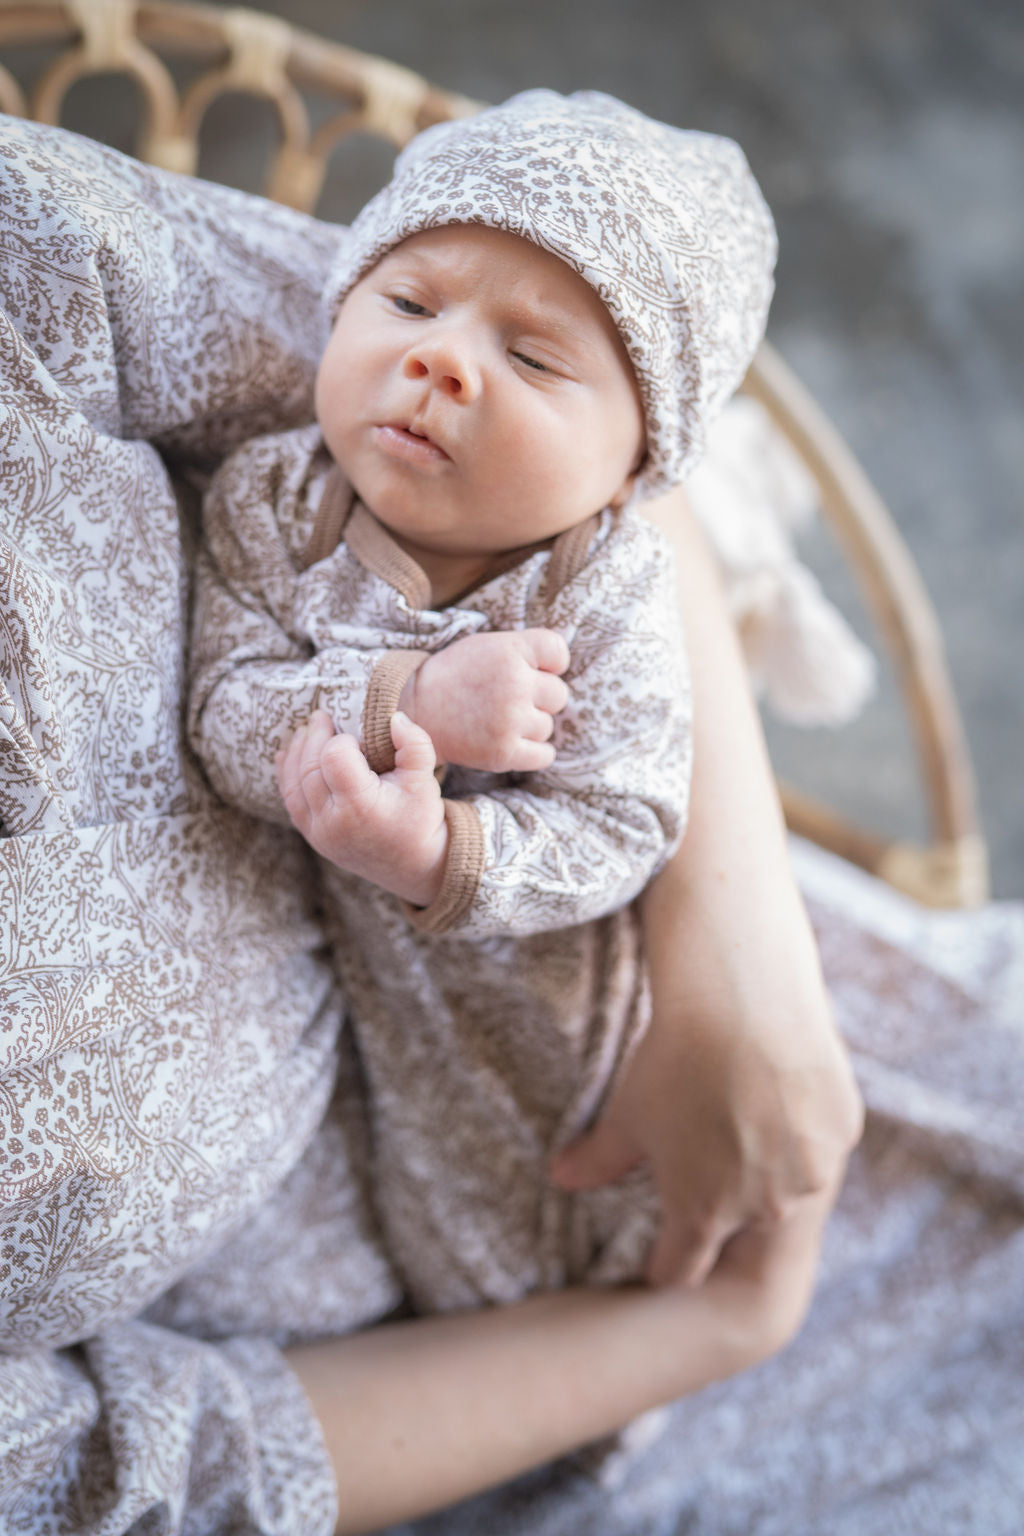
{"x":170,"y":1032}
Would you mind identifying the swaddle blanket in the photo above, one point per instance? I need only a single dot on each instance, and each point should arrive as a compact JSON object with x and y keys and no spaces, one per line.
{"x":169,"y":1207}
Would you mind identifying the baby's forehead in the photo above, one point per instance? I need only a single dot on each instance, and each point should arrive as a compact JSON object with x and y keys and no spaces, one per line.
{"x":444,"y":244}
{"x":512,"y":265}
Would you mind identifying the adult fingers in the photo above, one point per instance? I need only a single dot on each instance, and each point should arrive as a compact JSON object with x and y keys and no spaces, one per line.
{"x":687,"y":1253}
{"x":599,"y":1157}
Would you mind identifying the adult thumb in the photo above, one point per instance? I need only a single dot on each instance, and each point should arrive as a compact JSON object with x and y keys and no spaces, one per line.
{"x":600,"y":1157}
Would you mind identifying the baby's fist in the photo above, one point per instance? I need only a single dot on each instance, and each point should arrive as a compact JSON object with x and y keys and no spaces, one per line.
{"x":488,"y":701}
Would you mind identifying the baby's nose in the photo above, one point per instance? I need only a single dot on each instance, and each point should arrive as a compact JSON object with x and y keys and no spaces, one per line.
{"x":449,"y":365}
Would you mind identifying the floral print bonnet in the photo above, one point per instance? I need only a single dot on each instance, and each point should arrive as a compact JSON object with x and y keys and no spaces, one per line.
{"x":668,"y":226}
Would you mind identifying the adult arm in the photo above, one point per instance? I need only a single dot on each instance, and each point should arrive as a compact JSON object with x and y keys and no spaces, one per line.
{"x":741,"y":1095}
{"x":141,"y":1106}
{"x":420,"y":1414}
{"x":141,"y":1424}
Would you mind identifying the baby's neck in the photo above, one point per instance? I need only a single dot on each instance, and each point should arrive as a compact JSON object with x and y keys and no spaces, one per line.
{"x":450,"y":575}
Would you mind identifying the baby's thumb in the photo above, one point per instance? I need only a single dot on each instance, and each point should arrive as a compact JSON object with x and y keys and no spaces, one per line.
{"x":414,"y":750}
{"x":600,"y":1157}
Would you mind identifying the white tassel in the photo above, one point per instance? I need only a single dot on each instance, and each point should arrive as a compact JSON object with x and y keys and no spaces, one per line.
{"x":751,"y":492}
{"x":802,"y":654}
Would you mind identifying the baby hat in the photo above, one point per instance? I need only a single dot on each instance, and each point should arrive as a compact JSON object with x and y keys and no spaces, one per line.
{"x":667,"y":225}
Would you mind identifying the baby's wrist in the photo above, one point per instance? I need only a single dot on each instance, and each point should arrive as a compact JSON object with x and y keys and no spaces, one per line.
{"x":425,"y":886}
{"x":407,"y":697}
{"x":385,"y":687}
{"x":460,"y":874}
{"x":414,"y":702}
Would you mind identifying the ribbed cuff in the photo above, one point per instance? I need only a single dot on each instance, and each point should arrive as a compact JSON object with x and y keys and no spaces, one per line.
{"x":387,"y":680}
{"x":462,"y":871}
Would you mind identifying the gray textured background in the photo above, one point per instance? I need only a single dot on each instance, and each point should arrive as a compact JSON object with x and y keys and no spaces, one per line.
{"x":888,"y":136}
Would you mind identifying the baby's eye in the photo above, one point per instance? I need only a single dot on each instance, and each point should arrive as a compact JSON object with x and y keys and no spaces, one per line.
{"x":531,"y":362}
{"x":408,"y":306}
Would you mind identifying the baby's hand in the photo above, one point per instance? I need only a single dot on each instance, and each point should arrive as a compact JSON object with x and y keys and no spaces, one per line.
{"x":487,"y":700}
{"x":389,"y":828}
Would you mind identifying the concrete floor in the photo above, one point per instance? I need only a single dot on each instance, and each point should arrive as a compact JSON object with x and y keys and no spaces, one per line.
{"x":888,"y":136}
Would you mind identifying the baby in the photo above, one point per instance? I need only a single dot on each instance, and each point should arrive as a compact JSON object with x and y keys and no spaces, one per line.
{"x":533,"y":324}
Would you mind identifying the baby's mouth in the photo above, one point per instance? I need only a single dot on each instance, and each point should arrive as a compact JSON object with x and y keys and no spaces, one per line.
{"x":404,"y":442}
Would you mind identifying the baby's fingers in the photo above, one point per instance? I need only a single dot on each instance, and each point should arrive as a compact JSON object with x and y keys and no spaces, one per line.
{"x":345,"y":774}
{"x":295,"y":763}
{"x":531,"y":757}
{"x":546,"y":649}
{"x":549,"y":693}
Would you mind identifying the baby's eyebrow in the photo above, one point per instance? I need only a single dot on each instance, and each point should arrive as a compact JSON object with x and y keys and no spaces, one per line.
{"x":531,"y":315}
{"x":535,"y":315}
{"x":573,"y":336}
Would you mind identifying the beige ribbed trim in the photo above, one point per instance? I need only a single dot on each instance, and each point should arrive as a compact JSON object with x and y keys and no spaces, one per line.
{"x":568,"y":556}
{"x":374,"y":547}
{"x":387,"y":680}
{"x":462,"y":872}
{"x":372,"y":544}
{"x":331,"y":517}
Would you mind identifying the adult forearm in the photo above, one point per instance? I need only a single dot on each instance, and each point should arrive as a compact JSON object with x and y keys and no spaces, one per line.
{"x":734,"y":860}
{"x":417,"y":1415}
{"x":740,"y":1006}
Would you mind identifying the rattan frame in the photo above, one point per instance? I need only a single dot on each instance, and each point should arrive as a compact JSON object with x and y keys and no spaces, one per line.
{"x":247,"y":50}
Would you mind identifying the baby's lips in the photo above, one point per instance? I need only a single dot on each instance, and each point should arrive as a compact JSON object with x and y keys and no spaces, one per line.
{"x":404,"y":443}
{"x":418,"y":429}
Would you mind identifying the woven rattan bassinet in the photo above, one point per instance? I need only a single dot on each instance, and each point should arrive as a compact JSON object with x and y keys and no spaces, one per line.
{"x":247,"y":51}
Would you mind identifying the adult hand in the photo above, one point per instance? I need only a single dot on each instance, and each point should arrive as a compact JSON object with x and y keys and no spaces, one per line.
{"x":740,"y":1097}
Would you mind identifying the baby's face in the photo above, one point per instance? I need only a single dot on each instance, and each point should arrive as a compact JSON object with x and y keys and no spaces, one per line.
{"x":477,"y":394}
